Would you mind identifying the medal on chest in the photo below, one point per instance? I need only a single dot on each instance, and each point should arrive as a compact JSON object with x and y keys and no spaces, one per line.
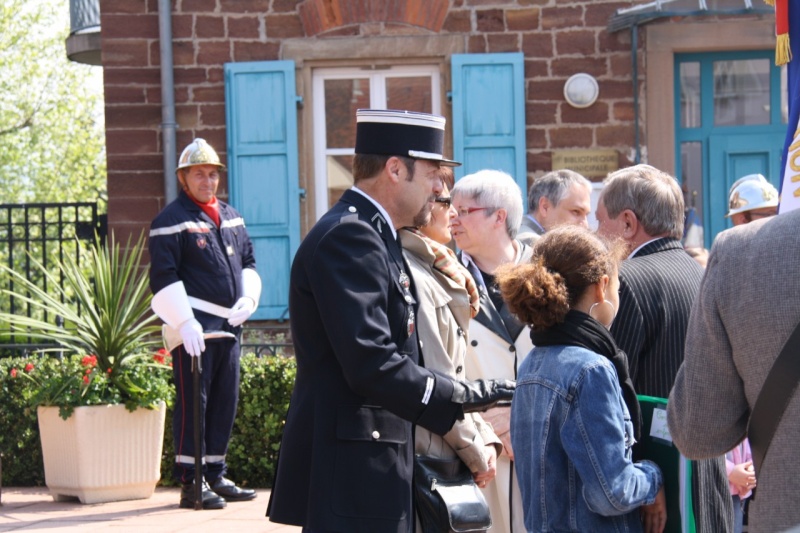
{"x":405,"y":283}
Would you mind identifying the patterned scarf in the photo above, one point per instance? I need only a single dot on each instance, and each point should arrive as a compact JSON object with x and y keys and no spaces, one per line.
{"x":446,"y":262}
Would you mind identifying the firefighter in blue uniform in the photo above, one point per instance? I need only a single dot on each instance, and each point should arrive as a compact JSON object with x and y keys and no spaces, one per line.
{"x":205,"y":286}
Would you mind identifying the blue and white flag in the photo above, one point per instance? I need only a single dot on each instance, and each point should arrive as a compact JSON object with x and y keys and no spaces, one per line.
{"x":790,"y":175}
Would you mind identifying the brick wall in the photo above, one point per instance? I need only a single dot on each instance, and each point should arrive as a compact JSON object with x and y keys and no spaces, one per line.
{"x":558,"y":37}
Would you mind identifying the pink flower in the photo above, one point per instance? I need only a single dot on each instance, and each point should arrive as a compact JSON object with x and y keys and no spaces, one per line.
{"x":29,"y":367}
{"x":159,"y":358}
{"x":86,"y":380}
{"x":89,"y":360}
{"x":13,"y":372}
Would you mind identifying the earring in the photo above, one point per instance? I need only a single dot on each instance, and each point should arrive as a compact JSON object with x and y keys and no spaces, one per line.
{"x":613,"y":311}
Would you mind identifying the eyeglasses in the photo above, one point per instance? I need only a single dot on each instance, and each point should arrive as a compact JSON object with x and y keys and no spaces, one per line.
{"x":464,"y":211}
{"x":446,"y":200}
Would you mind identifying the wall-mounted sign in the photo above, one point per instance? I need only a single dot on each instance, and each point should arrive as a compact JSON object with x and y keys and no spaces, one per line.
{"x":589,"y":163}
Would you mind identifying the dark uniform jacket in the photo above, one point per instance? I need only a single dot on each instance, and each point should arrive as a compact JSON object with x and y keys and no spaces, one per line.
{"x":345,"y":462}
{"x":185,"y":245}
{"x":656,"y":289}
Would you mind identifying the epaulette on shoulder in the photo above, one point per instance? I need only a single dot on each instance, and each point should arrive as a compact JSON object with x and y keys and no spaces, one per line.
{"x":349,"y":217}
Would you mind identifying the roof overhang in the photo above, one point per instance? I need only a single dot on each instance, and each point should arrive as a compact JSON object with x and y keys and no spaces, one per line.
{"x":637,"y":15}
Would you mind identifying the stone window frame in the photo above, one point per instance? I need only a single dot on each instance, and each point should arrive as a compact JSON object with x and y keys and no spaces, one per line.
{"x":359,"y":52}
{"x":432,"y":72}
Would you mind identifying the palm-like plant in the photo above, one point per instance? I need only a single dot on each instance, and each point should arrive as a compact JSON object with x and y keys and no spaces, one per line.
{"x":108,"y":327}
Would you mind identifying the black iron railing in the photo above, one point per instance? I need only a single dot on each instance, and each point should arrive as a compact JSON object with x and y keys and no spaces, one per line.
{"x":267,"y":340}
{"x":44,"y":233}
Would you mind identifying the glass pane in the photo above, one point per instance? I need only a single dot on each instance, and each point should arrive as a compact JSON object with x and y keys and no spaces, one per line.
{"x":692,"y":175}
{"x":411,"y":94}
{"x":784,"y":96}
{"x":340,"y":176}
{"x":741,"y":92}
{"x":690,"y":94}
{"x":342,"y":98}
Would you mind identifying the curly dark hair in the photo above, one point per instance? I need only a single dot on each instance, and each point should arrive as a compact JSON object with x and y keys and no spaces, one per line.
{"x":565,"y":262}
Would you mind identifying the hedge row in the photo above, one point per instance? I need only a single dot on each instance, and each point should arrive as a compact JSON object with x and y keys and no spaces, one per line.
{"x":266,"y":385}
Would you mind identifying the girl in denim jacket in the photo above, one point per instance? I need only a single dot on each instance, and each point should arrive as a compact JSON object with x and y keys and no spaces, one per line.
{"x":571,"y":419}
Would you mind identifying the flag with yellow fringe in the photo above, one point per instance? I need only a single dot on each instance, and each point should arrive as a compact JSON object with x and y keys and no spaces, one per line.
{"x":787,"y":31}
{"x":783,"y":52}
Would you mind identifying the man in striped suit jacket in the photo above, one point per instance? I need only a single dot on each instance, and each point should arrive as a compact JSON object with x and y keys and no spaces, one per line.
{"x":658,"y":283}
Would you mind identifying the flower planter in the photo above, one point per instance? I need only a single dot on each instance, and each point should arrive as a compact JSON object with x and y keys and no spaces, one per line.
{"x":102,"y":453}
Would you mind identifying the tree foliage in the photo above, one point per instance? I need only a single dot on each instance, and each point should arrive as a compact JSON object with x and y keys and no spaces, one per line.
{"x":52,"y":143}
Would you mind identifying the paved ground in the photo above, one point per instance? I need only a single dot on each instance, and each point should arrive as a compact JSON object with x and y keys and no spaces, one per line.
{"x":33,"y":509}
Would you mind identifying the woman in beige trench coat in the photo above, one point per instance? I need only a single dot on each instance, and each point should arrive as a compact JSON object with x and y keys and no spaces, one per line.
{"x":443,"y":291}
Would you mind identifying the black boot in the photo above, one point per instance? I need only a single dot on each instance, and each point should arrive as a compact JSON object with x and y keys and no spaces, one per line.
{"x":210,"y":498}
{"x":228,"y":490}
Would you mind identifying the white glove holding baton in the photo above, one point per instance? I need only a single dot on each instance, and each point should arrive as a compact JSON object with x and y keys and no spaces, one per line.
{"x":192,"y":334}
{"x":171,"y":304}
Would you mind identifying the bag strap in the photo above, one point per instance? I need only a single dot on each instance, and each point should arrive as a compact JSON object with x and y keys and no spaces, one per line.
{"x":775,"y":395}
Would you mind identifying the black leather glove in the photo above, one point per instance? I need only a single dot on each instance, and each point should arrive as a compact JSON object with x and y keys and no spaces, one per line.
{"x":482,"y":394}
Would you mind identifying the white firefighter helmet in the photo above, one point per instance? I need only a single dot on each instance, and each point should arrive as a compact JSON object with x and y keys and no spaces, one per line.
{"x":751,"y":192}
{"x":198,"y":152}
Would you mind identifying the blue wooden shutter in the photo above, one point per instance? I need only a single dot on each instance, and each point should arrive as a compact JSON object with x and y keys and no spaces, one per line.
{"x":489,"y":114}
{"x":263,"y":171}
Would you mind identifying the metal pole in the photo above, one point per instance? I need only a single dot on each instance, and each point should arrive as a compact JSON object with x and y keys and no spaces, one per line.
{"x":197,"y":370}
{"x":168,"y":124}
{"x":635,"y":59}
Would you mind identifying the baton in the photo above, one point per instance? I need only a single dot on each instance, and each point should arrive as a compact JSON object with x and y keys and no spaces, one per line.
{"x":197,"y":370}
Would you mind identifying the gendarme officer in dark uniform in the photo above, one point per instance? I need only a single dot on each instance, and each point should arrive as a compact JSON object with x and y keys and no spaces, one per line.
{"x":346,"y":460}
{"x":205,"y":286}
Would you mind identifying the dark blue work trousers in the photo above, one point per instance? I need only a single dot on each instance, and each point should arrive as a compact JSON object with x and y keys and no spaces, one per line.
{"x":219,"y":396}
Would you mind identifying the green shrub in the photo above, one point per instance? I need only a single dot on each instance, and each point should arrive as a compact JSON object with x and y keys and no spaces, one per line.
{"x":19,"y":430}
{"x":266,"y":385}
{"x":264,"y":393}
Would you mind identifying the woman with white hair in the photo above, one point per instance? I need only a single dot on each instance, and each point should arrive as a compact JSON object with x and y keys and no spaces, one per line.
{"x":488,"y":204}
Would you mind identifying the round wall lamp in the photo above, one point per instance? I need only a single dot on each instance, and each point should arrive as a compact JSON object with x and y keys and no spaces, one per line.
{"x":581,"y":90}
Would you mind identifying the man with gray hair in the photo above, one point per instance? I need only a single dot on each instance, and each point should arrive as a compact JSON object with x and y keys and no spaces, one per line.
{"x":558,"y":197}
{"x":644,"y":207}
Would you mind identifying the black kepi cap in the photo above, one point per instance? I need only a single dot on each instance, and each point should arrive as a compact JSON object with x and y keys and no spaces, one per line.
{"x":404,"y":133}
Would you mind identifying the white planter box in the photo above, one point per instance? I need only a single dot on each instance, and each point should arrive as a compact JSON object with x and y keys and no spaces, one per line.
{"x":102,"y":453}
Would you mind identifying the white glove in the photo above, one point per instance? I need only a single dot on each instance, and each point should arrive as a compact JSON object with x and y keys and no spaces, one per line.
{"x":192,"y":335}
{"x":241,"y":311}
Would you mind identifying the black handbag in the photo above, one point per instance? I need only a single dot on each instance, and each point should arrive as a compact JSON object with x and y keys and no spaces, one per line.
{"x":447,"y":497}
